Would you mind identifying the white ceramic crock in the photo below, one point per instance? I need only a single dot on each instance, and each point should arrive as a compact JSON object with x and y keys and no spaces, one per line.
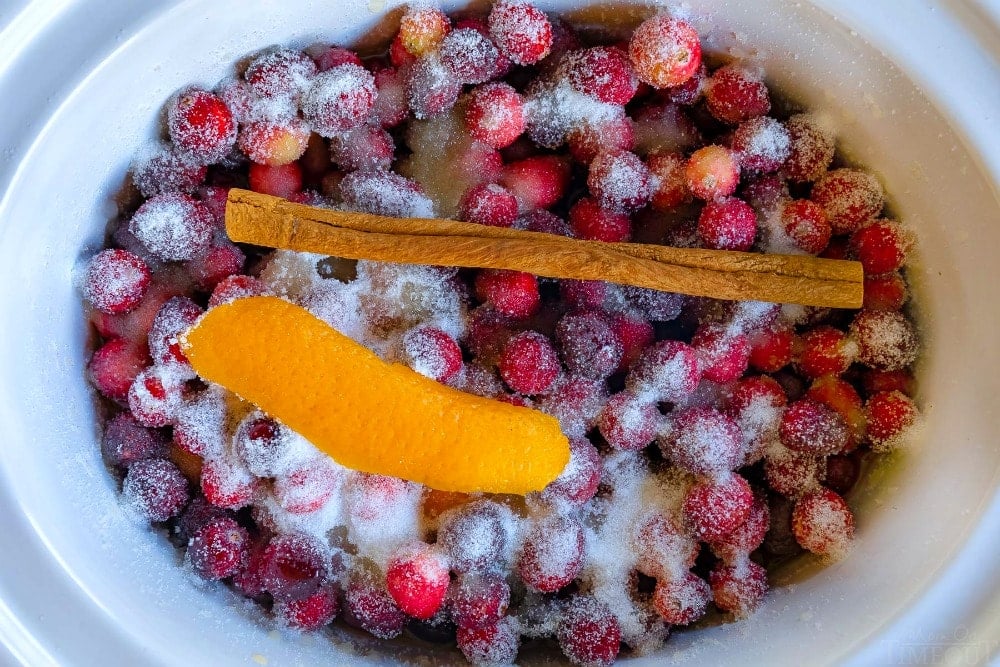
{"x":915,"y":90}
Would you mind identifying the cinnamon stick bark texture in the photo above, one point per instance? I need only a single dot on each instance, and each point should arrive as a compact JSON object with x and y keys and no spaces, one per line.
{"x":721,"y":274}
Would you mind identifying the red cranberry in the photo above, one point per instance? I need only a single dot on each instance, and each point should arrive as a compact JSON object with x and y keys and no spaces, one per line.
{"x":840,"y":396}
{"x":891,"y":415}
{"x":589,"y":346}
{"x":115,"y":281}
{"x":217,"y":264}
{"x":339,"y":99}
{"x":115,"y":365}
{"x":155,"y":396}
{"x":494,"y":644}
{"x":274,"y":142}
{"x":875,"y":380}
{"x":727,"y":224}
{"x":668,"y":171}
{"x":293,"y":566}
{"x":308,"y":488}
{"x":173,"y":226}
{"x":792,"y":473}
{"x":712,"y":510}
{"x":712,"y":172}
{"x":474,"y":536}
{"x":812,"y":428}
{"x":620,"y":181}
{"x":579,"y":480}
{"x":723,"y":355}
{"x":881,"y":246}
{"x":125,"y":441}
{"x":842,"y":472}
{"x":662,"y":547}
{"x":823,"y":523}
{"x":552,"y":554}
{"x":734,"y":94}
{"x":806,"y":225}
{"x":656,"y":305}
{"x":765,"y":193}
{"x":417,"y":579}
{"x":201,"y":125}
{"x":432,"y":352}
{"x":391,"y":103}
{"x":227,"y":485}
{"x":469,"y":55}
{"x":155,"y":488}
{"x":537,"y":182}
{"x":824,"y":350}
{"x":311,"y":612}
{"x":478,"y":600}
{"x":512,"y":293}
{"x":601,"y":72}
{"x":581,"y":296}
{"x":628,"y":422}
{"x":543,"y":222}
{"x":218,"y":549}
{"x":280,"y":73}
{"x":665,"y":51}
{"x":489,"y":204}
{"x":771,"y":350}
{"x":332,"y":56}
{"x":591,"y":137}
{"x":885,"y":292}
{"x":575,"y":401}
{"x":762,"y":144}
{"x":173,"y":319}
{"x":886,"y":340}
{"x":666,"y":371}
{"x":811,"y":149}
{"x":850,"y":198}
{"x":529,"y":364}
{"x":588,"y":633}
{"x":746,"y":537}
{"x":236,"y":287}
{"x":738,"y":589}
{"x":682,"y":600}
{"x":591,"y":222}
{"x":522,"y":31}
{"x":431,"y":88}
{"x":160,"y":170}
{"x":704,"y":441}
{"x":635,"y":334}
{"x":370,"y":607}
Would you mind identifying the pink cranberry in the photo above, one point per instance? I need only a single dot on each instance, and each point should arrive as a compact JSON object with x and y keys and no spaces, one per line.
{"x":727,"y":224}
{"x":201,"y":125}
{"x":712,"y":172}
{"x":227,"y":485}
{"x":173,"y":226}
{"x":628,"y":422}
{"x":363,"y":147}
{"x":792,"y":473}
{"x":601,"y":72}
{"x":591,"y":137}
{"x":432,"y":353}
{"x":841,"y":397}
{"x":666,"y":371}
{"x":488,"y":204}
{"x":885,"y":292}
{"x":292,"y":566}
{"x":619,"y":181}
{"x":738,"y":589}
{"x":537,"y":182}
{"x":850,"y":198}
{"x":762,"y":144}
{"x":812,"y":428}
{"x":588,"y":345}
{"x":657,"y":306}
{"x":668,"y":171}
{"x":589,"y":633}
{"x":635,"y":334}
{"x":218,"y":549}
{"x":890,"y":416}
{"x":704,"y":441}
{"x":682,"y":600}
{"x":812,"y":149}
{"x":512,"y":293}
{"x":552,"y":554}
{"x":493,"y":644}
{"x":881,"y":246}
{"x":529,"y":364}
{"x":163,"y":169}
{"x":155,"y":396}
{"x":281,"y":181}
{"x":331,"y":56}
{"x":173,"y":319}
{"x":579,"y":480}
{"x":724,"y":355}
{"x":886,"y":340}
{"x":391,"y":103}
{"x":274,"y":142}
{"x":806,"y":225}
{"x":746,"y":537}
{"x":474,"y":536}
{"x":714,"y":509}
{"x":734,"y":94}
{"x":422,"y":29}
{"x":478,"y":600}
{"x":311,"y":612}
{"x":280,"y":73}
{"x":771,"y":349}
{"x":125,"y":441}
{"x":469,"y":55}
{"x":592,"y":222}
{"x":823,"y":523}
{"x":662,"y":547}
{"x":370,"y":607}
{"x":114,"y":366}
{"x":155,"y":488}
{"x":521,"y":31}
{"x":339,"y":99}
{"x":236,"y":287}
{"x":217,"y":264}
{"x":665,"y":51}
{"x":431,"y":88}
{"x":417,"y":579}
{"x":308,"y":488}
{"x":115,"y":281}
{"x":754,"y":391}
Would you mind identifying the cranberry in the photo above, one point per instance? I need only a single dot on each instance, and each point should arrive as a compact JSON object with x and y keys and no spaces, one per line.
{"x":218,"y":549}
{"x":665,"y":51}
{"x":432,"y":353}
{"x":478,"y":600}
{"x":875,"y":380}
{"x":308,"y":488}
{"x":850,"y":198}
{"x":155,"y":396}
{"x":292,"y":566}
{"x":173,"y":226}
{"x":588,"y":633}
{"x":811,"y":149}
{"x":469,"y":55}
{"x":236,"y":287}
{"x":311,"y":612}
{"x":543,"y":222}
{"x":489,"y":204}
{"x":806,"y":225}
{"x":217,"y":264}
{"x":792,"y":473}
{"x":201,"y":125}
{"x":280,"y":73}
{"x":746,"y":537}
{"x":682,"y":600}
{"x":601,"y":72}
{"x":115,"y":281}
{"x":662,"y":548}
{"x":712,"y":172}
{"x":886,"y":340}
{"x":734,"y":94}
{"x":581,"y":296}
{"x":391,"y":103}
{"x":619,"y":181}
{"x":754,"y":391}
{"x":840,"y":396}
{"x":512,"y":293}
{"x":723,"y":355}
{"x":575,"y":401}
{"x":160,"y":170}
{"x":712,"y":510}
{"x":474,"y":536}
{"x":155,"y":488}
{"x":881,"y":246}
{"x":227,"y":485}
{"x":114,"y":366}
{"x":173,"y":319}
{"x":398,"y":55}
{"x":635,"y":334}
{"x":431,"y":88}
{"x":628,"y":422}
{"x":842,"y":473}
{"x":666,"y":371}
{"x":812,"y":428}
{"x":762,"y":144}
{"x":537,"y":182}
{"x":765,"y":193}
{"x":262,"y":444}
{"x":125,"y":441}
{"x":669,"y":174}
{"x":578,"y":481}
{"x":197,"y":514}
{"x":703,"y":441}
{"x":370,"y":607}
{"x":274,"y":142}
{"x":823,"y":523}
{"x":591,"y":137}
{"x":589,"y":346}
{"x":891,"y":416}
{"x":771,"y":349}
{"x":339,"y":99}
{"x":422,"y":29}
{"x":529,"y":364}
{"x":552,"y":554}
{"x":331,"y":56}
{"x":740,"y":588}
{"x":522,"y":31}
{"x":592,"y":222}
{"x":417,"y":579}
{"x":885,"y":292}
{"x":824,"y":350}
{"x":493,"y":644}
{"x":494,"y":114}
{"x":656,"y":305}
{"x":727,"y":224}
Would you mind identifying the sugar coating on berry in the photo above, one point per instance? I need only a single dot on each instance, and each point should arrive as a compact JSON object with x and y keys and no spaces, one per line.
{"x":892,"y":420}
{"x":575,"y":402}
{"x":417,"y":579}
{"x":629,"y":422}
{"x":311,"y":612}
{"x":666,"y":371}
{"x":155,"y":489}
{"x":157,"y":169}
{"x":554,"y":109}
{"x":727,"y":224}
{"x":477,"y":537}
{"x":886,"y":340}
{"x":521,"y":30}
{"x":762,"y":144}
{"x":469,"y":55}
{"x":115,"y":281}
{"x":811,"y":150}
{"x":512,"y":293}
{"x":588,"y":345}
{"x":385,"y":193}
{"x":740,"y":588}
{"x":601,"y":72}
{"x":665,"y":51}
{"x":489,"y":204}
{"x":478,"y":600}
{"x":339,"y":99}
{"x":494,"y":644}
{"x":588,"y":633}
{"x":619,"y":180}
{"x":114,"y":366}
{"x":200,"y":425}
{"x":494,"y":114}
{"x":431,"y":87}
{"x":812,"y":428}
{"x":724,"y":356}
{"x":735,"y":94}
{"x":682,"y":600}
{"x":881,"y":246}
{"x":173,"y":226}
{"x":280,"y":73}
{"x":806,"y":225}
{"x":370,"y":607}
{"x":823,"y":524}
{"x":747,"y":537}
{"x":201,"y":125}
{"x":363,"y":147}
{"x":592,"y":222}
{"x":703,"y":441}
{"x":850,"y":198}
{"x":529,"y":363}
{"x":712,"y":171}
{"x":656,"y":305}
{"x":125,"y":441}
{"x":274,"y":142}
{"x":578,"y":481}
{"x":552,"y":554}
{"x":218,"y":549}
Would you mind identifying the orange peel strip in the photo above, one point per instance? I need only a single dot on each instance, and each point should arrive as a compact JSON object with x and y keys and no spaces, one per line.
{"x":367,"y":414}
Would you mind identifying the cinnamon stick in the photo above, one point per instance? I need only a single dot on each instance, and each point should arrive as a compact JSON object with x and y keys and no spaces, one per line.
{"x":270,"y":221}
